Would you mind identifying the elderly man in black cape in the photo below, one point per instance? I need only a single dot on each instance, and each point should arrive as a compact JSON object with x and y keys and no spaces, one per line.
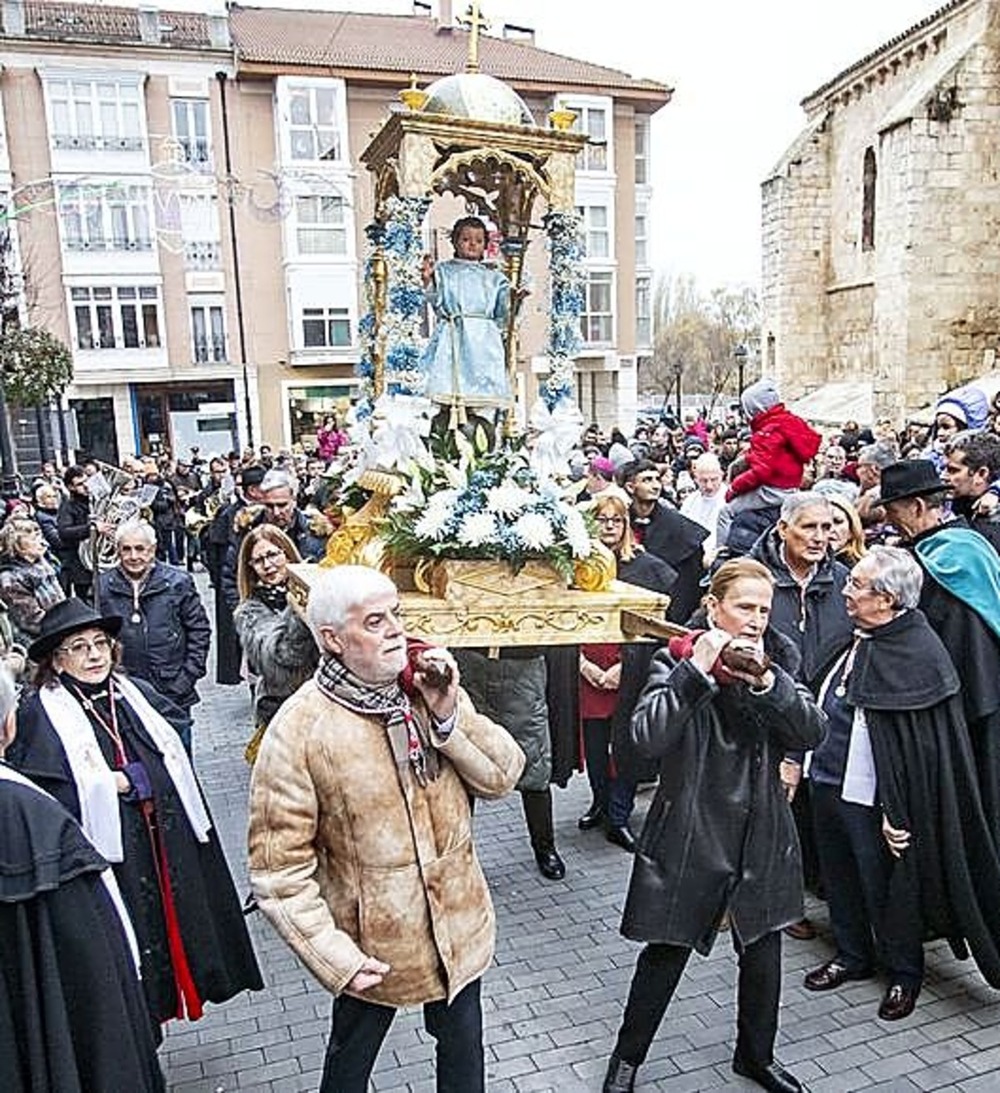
{"x":961,"y":599}
{"x":72,"y":1013}
{"x":906,"y":852}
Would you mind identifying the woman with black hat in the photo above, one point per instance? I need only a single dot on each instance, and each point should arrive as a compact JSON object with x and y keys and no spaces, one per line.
{"x":100,"y":744}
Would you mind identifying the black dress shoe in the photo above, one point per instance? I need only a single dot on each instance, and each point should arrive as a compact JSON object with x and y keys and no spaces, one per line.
{"x":831,"y":975}
{"x":550,"y":865}
{"x":899,"y":1002}
{"x":593,"y":817}
{"x":621,"y":836}
{"x":773,"y":1076}
{"x":620,"y":1077}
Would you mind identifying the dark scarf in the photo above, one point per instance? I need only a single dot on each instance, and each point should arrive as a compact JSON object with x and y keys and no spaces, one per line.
{"x":274,"y":596}
{"x":388,"y":703}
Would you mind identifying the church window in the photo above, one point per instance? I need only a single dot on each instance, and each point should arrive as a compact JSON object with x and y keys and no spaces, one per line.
{"x":868,"y":201}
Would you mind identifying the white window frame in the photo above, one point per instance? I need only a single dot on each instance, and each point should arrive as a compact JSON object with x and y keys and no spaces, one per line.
{"x":590,"y":335}
{"x":91,"y":111}
{"x":643,"y":311}
{"x":642,"y":237}
{"x":598,"y":241}
{"x":207,"y":316}
{"x":119,"y":313}
{"x":593,"y":159}
{"x":292,"y":90}
{"x":330,"y":318}
{"x":196,"y":146}
{"x":333,"y":226}
{"x":114,"y":216}
{"x":642,"y":160}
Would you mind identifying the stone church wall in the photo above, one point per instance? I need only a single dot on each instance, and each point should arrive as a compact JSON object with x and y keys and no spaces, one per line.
{"x":919,"y":312}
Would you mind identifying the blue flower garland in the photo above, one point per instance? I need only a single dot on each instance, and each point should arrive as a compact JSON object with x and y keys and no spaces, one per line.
{"x":567,"y":297}
{"x":399,"y":237}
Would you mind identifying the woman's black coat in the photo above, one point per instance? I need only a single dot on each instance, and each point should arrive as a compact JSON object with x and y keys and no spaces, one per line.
{"x":719,"y":835}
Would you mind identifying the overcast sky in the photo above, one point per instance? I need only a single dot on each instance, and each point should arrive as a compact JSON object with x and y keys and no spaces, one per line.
{"x":739,"y":69}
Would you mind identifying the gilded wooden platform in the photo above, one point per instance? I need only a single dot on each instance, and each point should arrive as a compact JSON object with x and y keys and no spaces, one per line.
{"x":546,"y":616}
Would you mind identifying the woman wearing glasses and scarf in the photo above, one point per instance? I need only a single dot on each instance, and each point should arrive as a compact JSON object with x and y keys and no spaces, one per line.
{"x":100,"y":744}
{"x":279,"y":649}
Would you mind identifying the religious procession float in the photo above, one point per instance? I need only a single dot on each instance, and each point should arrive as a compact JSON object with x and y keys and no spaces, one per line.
{"x":458,"y":497}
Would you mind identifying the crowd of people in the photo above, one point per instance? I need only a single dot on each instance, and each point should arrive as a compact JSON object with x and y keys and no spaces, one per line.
{"x":825,"y":718}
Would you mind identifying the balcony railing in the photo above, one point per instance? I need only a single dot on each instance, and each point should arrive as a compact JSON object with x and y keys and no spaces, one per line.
{"x":89,"y":142}
{"x":203,"y":255}
{"x":212,"y":351}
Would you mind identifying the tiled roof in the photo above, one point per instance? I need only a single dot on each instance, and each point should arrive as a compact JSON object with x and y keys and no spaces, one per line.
{"x":409,"y":43}
{"x":886,"y":47}
{"x":98,"y":23}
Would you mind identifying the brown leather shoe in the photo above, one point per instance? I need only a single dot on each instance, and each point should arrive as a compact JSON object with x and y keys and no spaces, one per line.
{"x":899,"y":1002}
{"x":803,"y":930}
{"x":831,"y":975}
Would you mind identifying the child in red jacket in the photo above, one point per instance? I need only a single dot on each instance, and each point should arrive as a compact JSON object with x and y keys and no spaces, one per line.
{"x":781,"y":444}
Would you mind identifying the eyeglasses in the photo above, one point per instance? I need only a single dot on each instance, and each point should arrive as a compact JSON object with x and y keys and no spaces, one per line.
{"x":270,"y":558}
{"x":858,"y":586}
{"x":82,"y":648}
{"x":611,"y":520}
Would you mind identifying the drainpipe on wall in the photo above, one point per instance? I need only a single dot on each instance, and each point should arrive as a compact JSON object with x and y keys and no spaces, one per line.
{"x":237,"y":280}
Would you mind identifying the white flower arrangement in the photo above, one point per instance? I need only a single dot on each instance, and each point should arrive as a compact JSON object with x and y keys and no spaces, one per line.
{"x":497,"y":509}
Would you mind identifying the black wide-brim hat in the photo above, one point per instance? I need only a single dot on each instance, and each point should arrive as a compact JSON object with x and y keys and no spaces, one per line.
{"x":909,"y":478}
{"x":69,"y":617}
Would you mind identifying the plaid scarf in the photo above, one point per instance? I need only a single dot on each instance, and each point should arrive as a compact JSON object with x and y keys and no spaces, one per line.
{"x":388,"y":703}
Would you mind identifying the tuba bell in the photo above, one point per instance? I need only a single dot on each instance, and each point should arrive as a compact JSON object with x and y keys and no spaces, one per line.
{"x":115,"y":497}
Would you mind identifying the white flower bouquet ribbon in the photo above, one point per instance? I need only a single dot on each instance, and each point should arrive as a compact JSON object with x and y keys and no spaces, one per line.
{"x":558,"y":432}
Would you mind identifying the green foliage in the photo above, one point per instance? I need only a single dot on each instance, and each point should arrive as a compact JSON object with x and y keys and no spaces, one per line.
{"x":35,"y":366}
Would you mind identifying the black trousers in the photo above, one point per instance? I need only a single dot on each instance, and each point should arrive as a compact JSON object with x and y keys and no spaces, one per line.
{"x":758,"y":991}
{"x":856,"y":865}
{"x":359,"y":1028}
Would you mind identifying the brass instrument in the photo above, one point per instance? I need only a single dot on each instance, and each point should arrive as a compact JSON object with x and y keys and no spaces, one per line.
{"x":195,"y":521}
{"x":115,"y":496}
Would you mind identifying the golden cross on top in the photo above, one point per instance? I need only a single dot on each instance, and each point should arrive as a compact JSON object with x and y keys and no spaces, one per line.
{"x":475,"y":21}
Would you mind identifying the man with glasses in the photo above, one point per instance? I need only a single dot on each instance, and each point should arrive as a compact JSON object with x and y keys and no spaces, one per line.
{"x":277,"y":497}
{"x":165,"y":631}
{"x":360,"y":798}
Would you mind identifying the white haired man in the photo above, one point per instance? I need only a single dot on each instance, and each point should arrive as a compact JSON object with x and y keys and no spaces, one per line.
{"x":703,"y":506}
{"x":361,"y":850}
{"x":165,"y":630}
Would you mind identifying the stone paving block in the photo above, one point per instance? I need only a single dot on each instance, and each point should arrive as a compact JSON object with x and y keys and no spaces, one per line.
{"x":894,"y":1066}
{"x":941,"y":1074}
{"x":260,"y":1077}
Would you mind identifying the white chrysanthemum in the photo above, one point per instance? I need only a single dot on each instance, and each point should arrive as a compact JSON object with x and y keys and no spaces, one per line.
{"x":534,"y":530}
{"x":508,"y":499}
{"x":434,"y":522}
{"x":577,"y":534}
{"x":477,"y":529}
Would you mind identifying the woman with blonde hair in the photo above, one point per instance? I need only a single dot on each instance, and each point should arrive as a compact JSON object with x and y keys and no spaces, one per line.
{"x":847,"y":540}
{"x":719,"y":710}
{"x":29,"y":584}
{"x":611,"y":677}
{"x":279,"y":648}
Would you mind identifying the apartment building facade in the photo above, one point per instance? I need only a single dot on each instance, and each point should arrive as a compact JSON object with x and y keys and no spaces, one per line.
{"x":190,"y":208}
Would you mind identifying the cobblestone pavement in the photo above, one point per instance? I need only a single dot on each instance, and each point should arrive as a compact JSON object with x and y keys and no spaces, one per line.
{"x":554,"y":997}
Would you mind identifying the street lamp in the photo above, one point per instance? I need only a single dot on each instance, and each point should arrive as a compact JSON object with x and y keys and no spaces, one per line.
{"x":740,"y":355}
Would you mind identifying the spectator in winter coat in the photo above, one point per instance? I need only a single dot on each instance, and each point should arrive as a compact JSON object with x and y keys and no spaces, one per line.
{"x":781,"y":444}
{"x":165,"y":632}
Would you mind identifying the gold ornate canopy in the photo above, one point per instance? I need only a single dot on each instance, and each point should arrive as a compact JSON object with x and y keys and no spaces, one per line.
{"x":472,"y":136}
